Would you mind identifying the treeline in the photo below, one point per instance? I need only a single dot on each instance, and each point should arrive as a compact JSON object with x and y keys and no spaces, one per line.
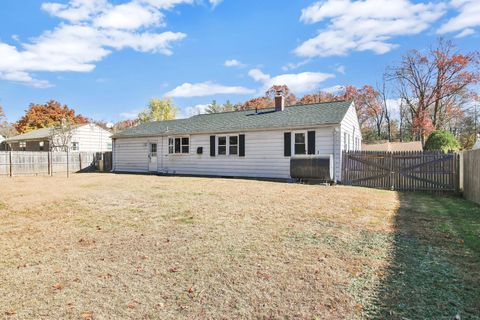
{"x":422,"y":93}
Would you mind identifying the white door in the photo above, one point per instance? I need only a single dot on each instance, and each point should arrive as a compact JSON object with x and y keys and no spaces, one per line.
{"x":152,"y":157}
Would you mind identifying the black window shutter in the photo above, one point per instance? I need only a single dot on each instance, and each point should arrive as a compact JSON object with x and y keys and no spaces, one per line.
{"x":311,"y":142}
{"x":287,"y":144}
{"x":241,"y":145}
{"x":212,"y":146}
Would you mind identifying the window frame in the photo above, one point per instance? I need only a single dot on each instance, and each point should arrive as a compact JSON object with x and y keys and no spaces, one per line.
{"x":227,"y":145}
{"x":172,"y":145}
{"x":152,"y":153}
{"x":22,"y":145}
{"x":75,"y":146}
{"x":293,"y":143}
{"x":41,"y":145}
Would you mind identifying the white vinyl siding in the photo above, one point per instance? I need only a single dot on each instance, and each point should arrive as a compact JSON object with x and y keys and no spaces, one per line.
{"x":92,"y":138}
{"x":264,"y":155}
{"x":350,"y":132}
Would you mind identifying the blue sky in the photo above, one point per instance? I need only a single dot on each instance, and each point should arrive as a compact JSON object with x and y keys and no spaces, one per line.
{"x":106,"y":59}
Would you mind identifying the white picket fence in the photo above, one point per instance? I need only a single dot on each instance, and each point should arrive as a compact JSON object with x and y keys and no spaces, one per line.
{"x":28,"y":163}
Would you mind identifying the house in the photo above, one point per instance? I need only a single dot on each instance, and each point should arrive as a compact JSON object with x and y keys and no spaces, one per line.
{"x":2,"y":143}
{"x":83,"y":137}
{"x":393,"y":146}
{"x":477,"y":144}
{"x":241,"y":144}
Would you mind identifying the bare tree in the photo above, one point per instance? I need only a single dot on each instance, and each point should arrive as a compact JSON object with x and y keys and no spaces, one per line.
{"x":429,"y":83}
{"x":61,"y":136}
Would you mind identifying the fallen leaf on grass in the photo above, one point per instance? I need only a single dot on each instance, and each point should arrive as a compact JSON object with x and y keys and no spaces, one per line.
{"x":10,"y":312}
{"x":190,"y":290}
{"x":174,"y":269}
{"x":87,"y":315}
{"x":58,"y":286}
{"x":133,"y":304}
{"x":358,"y":307}
{"x":86,"y":242}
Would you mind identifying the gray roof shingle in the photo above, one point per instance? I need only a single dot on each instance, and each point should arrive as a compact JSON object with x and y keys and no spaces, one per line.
{"x":43,"y":133}
{"x":292,"y":117}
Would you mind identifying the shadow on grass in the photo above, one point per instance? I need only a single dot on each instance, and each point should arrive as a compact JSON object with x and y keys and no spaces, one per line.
{"x":434,"y":270}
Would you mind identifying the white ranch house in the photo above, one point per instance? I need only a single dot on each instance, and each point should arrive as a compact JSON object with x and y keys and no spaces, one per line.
{"x":84,"y":138}
{"x":241,"y":144}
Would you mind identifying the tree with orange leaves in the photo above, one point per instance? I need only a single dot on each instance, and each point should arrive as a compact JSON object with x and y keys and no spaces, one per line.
{"x":47,"y":115}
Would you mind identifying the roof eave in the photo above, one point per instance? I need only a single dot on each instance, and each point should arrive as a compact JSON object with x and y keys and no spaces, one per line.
{"x":227,"y":131}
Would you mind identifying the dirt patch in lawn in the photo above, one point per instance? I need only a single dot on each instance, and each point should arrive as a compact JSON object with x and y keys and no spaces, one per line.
{"x":147,"y":247}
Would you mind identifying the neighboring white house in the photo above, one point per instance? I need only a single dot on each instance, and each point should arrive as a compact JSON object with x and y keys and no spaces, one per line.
{"x":84,"y":137}
{"x":477,"y":144}
{"x":241,"y":144}
{"x":2,"y":145}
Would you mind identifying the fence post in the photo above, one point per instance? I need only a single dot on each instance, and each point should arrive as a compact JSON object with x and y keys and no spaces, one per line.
{"x":68,"y":168}
{"x":48,"y":163}
{"x":10,"y":160}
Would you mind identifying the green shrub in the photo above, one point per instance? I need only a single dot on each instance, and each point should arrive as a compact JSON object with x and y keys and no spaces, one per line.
{"x":442,"y":140}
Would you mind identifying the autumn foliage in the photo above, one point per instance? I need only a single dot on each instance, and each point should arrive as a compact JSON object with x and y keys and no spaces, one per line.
{"x":47,"y":115}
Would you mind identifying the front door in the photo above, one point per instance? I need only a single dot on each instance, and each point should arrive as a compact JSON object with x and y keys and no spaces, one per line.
{"x":152,"y":157}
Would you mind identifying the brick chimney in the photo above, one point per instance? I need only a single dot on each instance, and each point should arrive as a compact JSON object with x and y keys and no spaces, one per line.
{"x":279,"y":101}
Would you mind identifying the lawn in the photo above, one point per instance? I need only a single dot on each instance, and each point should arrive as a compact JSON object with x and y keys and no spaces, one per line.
{"x":100,"y":246}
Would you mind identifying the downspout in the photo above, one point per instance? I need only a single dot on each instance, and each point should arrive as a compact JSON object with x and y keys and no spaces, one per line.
{"x":113,"y":155}
{"x":335,"y":130}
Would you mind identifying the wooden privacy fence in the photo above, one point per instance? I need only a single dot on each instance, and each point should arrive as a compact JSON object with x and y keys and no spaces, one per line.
{"x":24,"y":163}
{"x":404,"y":171}
{"x":471,"y":175}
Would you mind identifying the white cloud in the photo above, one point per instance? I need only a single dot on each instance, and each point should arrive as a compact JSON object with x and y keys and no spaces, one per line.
{"x":129,"y":114}
{"x":215,"y":3}
{"x":364,"y":25}
{"x":233,"y":63}
{"x":340,"y":69}
{"x":292,"y":66}
{"x":297,"y":82}
{"x":129,"y":16}
{"x":91,"y":30}
{"x":75,"y":10}
{"x":465,"y":33}
{"x":193,"y":111}
{"x":465,"y":21}
{"x":205,"y":89}
{"x":258,"y":75}
{"x":333,"y":89}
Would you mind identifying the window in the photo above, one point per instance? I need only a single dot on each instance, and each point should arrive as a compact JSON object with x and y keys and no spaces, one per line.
{"x":227,"y":145}
{"x":75,"y":146}
{"x":41,"y":145}
{"x":153,"y":149}
{"x":23,"y":145}
{"x":233,"y":145}
{"x":185,"y":145}
{"x":179,"y":145}
{"x":300,"y":142}
{"x":222,"y":145}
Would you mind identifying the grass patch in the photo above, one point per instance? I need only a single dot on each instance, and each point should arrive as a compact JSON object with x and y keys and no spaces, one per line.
{"x":133,"y":247}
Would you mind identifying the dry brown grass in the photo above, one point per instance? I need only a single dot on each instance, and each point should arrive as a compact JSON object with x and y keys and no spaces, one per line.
{"x":147,"y":247}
